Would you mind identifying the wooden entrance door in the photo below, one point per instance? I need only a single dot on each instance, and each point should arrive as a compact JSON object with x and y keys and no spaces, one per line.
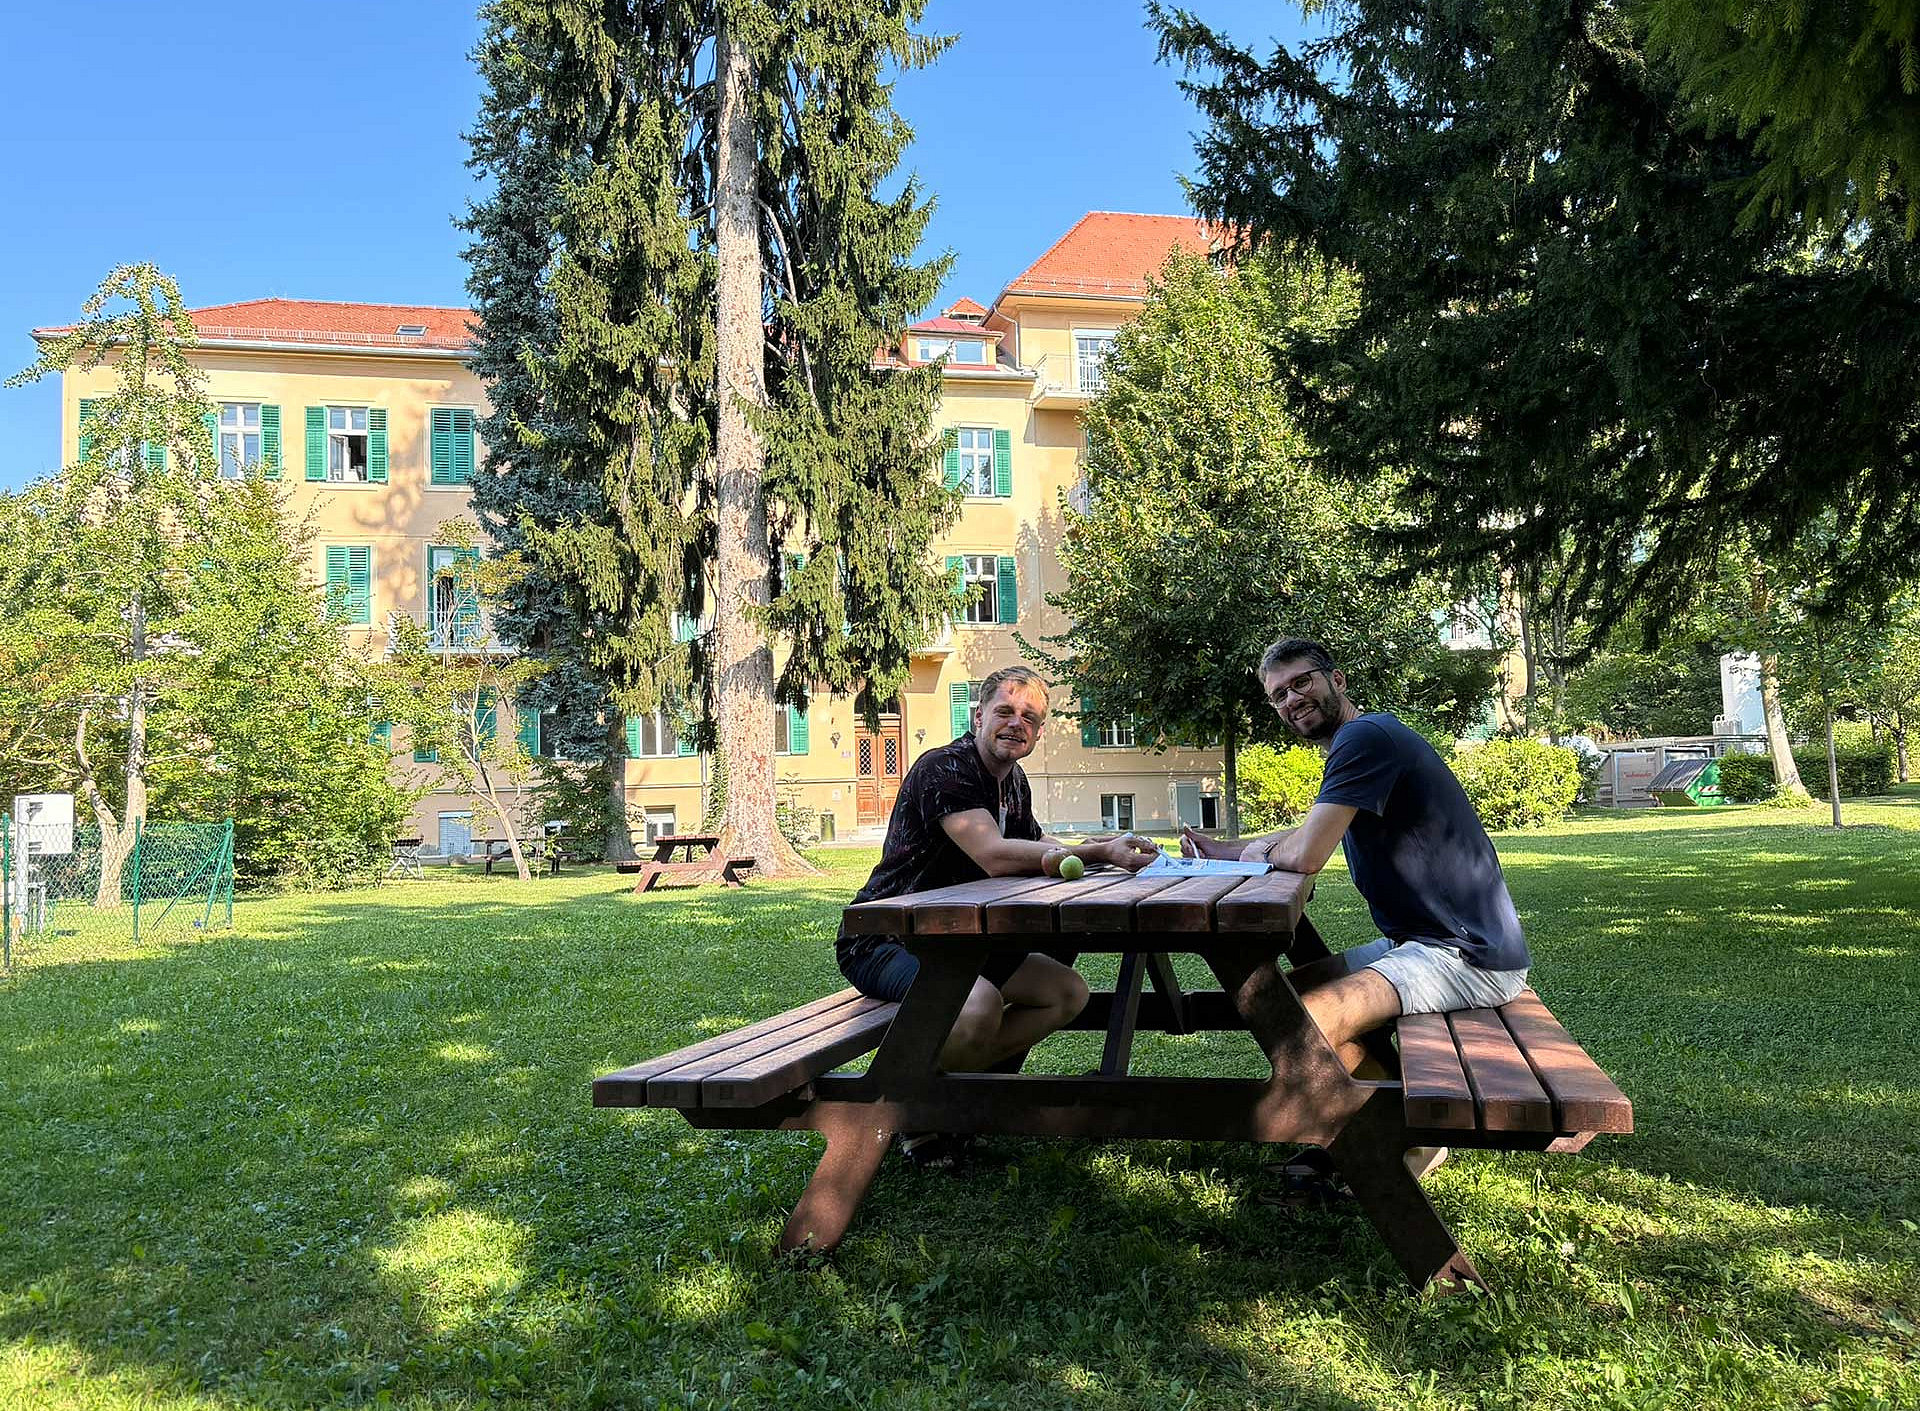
{"x":879,"y":759}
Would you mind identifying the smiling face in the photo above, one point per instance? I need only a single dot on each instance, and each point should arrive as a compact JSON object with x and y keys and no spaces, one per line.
{"x":1312,"y":700}
{"x":1007,"y":725}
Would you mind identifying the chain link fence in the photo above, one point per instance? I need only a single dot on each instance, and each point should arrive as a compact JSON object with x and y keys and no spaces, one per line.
{"x":57,"y":883}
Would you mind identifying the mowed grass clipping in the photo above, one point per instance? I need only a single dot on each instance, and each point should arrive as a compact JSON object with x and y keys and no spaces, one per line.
{"x":345,"y":1155}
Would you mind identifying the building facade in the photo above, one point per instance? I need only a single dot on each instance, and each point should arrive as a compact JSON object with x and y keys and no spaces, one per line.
{"x":367,"y":414}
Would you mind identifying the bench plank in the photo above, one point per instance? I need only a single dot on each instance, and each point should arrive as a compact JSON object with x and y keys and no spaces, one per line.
{"x":1271,"y":903}
{"x":1585,"y":1099}
{"x":680,"y":1087}
{"x":1509,"y":1097}
{"x":1436,"y":1089}
{"x":628,"y":1086}
{"x":769,"y":1075}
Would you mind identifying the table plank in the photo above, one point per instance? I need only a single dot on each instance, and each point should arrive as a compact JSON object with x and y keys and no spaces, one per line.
{"x":1510,"y":1098}
{"x":1185,"y":906}
{"x":1437,"y":1094}
{"x":1584,"y":1098}
{"x":1110,"y":908}
{"x":1036,"y":912}
{"x":1271,"y":903}
{"x":956,"y":911}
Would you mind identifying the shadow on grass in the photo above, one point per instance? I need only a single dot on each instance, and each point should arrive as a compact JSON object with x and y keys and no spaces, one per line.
{"x":349,"y":1150}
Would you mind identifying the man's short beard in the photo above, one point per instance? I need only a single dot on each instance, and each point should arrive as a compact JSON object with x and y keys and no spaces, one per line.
{"x":1331,"y":718}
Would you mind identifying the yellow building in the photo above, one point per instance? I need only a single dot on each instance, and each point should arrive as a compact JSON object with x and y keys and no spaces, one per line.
{"x":368,"y":412}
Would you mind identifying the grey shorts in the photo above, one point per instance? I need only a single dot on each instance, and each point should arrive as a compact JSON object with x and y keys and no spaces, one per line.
{"x":1436,"y":979}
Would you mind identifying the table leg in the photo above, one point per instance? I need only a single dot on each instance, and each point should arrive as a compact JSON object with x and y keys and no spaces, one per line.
{"x":1160,"y":969}
{"x":1370,"y":1154}
{"x":909,"y":1056}
{"x":1126,"y":1009}
{"x":855,"y":1148}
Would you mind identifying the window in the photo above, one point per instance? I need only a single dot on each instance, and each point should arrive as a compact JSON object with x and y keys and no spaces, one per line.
{"x":982,"y":570}
{"x":455,"y":608}
{"x":1209,"y":810}
{"x":969,"y":350}
{"x":350,"y":583}
{"x":651,"y":736}
{"x":1116,"y":812}
{"x":348,"y":448}
{"x":789,"y":731}
{"x":1090,"y":351}
{"x":450,"y":445}
{"x":1116,"y":735}
{"x":456,"y":834}
{"x":976,"y":459}
{"x":658,"y":823}
{"x":239,"y":438}
{"x":962,"y":697}
{"x":928,"y":350}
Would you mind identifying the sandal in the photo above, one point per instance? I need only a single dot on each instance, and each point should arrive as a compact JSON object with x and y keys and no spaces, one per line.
{"x":932,"y":1151}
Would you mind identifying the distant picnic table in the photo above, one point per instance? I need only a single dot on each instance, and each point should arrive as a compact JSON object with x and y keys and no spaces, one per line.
{"x":700,"y":864}
{"x":538,"y":848}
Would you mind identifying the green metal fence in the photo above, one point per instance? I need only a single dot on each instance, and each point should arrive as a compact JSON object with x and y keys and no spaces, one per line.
{"x":178,"y":877}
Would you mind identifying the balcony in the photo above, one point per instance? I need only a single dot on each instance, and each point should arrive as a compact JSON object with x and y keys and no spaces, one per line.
{"x":464,"y":633}
{"x":1058,"y":385}
{"x":938,"y":649}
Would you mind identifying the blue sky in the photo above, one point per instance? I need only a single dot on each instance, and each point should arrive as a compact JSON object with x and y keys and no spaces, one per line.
{"x":315,"y":152}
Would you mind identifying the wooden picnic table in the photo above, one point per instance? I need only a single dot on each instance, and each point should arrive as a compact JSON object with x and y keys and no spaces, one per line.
{"x":700,"y":864}
{"x":696,"y":845}
{"x":1508,"y":1078}
{"x":536,"y":847}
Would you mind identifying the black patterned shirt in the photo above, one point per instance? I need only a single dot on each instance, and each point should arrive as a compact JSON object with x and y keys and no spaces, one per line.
{"x":918,"y":854}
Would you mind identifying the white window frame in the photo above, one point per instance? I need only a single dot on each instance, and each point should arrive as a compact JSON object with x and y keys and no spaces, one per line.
{"x":1092,"y":381}
{"x":976,"y":460}
{"x":342,"y":438}
{"x":239,"y":434}
{"x":656,"y":822}
{"x":1116,"y":734}
{"x":931,"y":350}
{"x":969,"y":350}
{"x":1116,"y":812}
{"x":660,"y":726}
{"x":439,"y":838}
{"x":985,"y":611}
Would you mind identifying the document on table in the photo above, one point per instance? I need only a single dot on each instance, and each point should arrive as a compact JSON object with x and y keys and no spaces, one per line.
{"x":1203,"y":867}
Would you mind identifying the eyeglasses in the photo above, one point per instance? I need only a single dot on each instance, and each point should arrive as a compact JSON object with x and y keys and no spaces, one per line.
{"x":1277,"y":697}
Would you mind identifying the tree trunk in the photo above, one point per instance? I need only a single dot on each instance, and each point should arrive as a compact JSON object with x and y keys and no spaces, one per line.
{"x":743,"y":661}
{"x":1527,"y":647}
{"x":507,"y":826}
{"x":1900,"y":747}
{"x":619,"y":822}
{"x":1232,"y":778}
{"x":1833,"y":766}
{"x":117,"y":839}
{"x":1786,"y":774}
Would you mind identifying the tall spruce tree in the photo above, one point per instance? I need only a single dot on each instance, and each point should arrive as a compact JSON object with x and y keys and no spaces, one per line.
{"x":1591,"y":366}
{"x":684,"y":277}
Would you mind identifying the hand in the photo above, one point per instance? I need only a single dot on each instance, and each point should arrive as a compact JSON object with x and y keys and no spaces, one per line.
{"x":1130,"y":851}
{"x":1255,"y":852}
{"x":1193,"y":844}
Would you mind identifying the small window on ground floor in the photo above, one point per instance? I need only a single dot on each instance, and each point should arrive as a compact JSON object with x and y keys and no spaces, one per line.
{"x":1116,"y":811}
{"x":456,"y":834}
{"x":658,"y":822}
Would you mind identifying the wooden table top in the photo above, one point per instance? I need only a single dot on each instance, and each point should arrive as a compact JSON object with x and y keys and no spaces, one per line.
{"x":1104,"y":902}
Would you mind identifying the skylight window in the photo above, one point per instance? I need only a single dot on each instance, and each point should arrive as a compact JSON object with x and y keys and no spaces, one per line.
{"x":411,"y":330}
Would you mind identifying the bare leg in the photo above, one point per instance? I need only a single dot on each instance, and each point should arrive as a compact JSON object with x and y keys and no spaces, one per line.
{"x":1349,"y":1006}
{"x":1040,"y":997}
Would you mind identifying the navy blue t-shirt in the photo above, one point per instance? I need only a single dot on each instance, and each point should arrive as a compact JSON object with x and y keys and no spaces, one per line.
{"x":1417,"y":850}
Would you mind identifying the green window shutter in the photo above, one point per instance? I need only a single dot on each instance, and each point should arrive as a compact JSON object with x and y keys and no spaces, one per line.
{"x":466,"y":609}
{"x":462,"y":446}
{"x":1089,"y":728}
{"x":377,"y":445}
{"x":529,"y":732}
{"x":316,"y":443}
{"x":337,"y":584}
{"x":960,"y":697}
{"x":426,"y":756}
{"x":1008,"y":594}
{"x":682,"y":745}
{"x":685,"y":629}
{"x":212,"y":423}
{"x":1002,"y":462}
{"x":381,"y":734}
{"x":86,"y":415}
{"x":360,"y":585}
{"x":951,"y":439}
{"x":270,"y":440}
{"x":633,"y":737}
{"x":486,"y":717}
{"x":796,"y":730}
{"x":956,"y":569}
{"x":156,"y":456}
{"x":440,"y":446}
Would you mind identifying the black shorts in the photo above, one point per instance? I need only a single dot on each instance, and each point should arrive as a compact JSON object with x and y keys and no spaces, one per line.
{"x":884,"y":968}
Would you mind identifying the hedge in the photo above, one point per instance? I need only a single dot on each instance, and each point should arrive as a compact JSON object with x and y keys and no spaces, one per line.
{"x":1864,"y":769}
{"x":1519,"y":783}
{"x":1746,"y":778}
{"x":1277,"y":787}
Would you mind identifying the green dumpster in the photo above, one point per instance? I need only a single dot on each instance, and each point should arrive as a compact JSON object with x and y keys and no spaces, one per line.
{"x":1688,"y":783}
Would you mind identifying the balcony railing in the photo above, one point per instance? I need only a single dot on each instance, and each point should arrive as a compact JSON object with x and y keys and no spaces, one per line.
{"x":465,"y":633}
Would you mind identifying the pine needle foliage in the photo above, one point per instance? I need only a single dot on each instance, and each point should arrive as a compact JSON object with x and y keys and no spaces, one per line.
{"x":1591,"y":364}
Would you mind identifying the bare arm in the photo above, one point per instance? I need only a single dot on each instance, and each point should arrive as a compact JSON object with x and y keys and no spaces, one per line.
{"x":1306,"y":848}
{"x":978,"y":835}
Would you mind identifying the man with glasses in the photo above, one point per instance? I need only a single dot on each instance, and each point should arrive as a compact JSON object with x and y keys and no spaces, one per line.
{"x":1449,"y":936}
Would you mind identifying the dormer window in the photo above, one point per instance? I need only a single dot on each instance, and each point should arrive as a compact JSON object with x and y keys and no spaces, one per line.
{"x":412,"y":330}
{"x":960,"y":350}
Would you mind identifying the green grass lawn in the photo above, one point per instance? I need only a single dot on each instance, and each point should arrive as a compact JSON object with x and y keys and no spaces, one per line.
{"x":345,"y":1154}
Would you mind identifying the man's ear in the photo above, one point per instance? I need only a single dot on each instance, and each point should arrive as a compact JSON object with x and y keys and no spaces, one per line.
{"x":1339,"y":679}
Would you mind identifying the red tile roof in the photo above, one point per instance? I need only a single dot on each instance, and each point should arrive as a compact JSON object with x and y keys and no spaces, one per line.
{"x":326,"y":323}
{"x":1110,"y":253}
{"x":952,"y":327}
{"x":966,"y":306}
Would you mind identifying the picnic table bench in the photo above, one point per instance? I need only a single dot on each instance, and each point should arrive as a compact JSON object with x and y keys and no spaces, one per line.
{"x":1510,"y":1078}
{"x":701,"y":863}
{"x":542,"y":851}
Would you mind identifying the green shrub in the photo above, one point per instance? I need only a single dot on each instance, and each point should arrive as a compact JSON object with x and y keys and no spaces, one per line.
{"x":1277,"y":786}
{"x":1864,"y":769}
{"x":1519,"y":783}
{"x":1746,"y":778}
